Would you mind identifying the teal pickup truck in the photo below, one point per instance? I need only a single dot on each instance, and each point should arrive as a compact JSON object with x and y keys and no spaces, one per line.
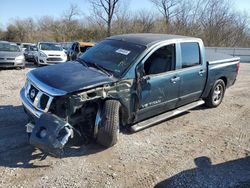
{"x":133,"y":80}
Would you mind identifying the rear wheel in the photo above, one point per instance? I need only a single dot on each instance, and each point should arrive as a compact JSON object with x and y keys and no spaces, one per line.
{"x":216,"y":94}
{"x":109,"y":126}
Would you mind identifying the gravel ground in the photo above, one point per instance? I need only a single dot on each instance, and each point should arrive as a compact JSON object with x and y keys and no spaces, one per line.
{"x":202,"y":148}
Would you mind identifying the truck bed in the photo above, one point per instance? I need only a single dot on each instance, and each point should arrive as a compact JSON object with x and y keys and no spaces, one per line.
{"x":220,"y":66}
{"x":214,"y":57}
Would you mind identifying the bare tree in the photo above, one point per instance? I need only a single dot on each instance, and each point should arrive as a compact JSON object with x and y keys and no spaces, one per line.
{"x":143,"y":22}
{"x":212,"y":20}
{"x":167,"y":8}
{"x":69,"y":25}
{"x":105,"y":10}
{"x":122,"y":22}
{"x":72,"y":12}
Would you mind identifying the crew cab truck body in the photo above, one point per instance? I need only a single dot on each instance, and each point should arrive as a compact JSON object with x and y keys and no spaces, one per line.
{"x":133,"y":80}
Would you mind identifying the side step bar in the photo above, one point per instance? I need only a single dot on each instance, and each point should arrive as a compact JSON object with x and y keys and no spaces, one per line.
{"x":149,"y":122}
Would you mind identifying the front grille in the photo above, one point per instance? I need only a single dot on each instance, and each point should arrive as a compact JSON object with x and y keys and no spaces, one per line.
{"x":54,"y":55}
{"x":44,"y":101}
{"x":1,"y":58}
{"x":37,"y":98}
{"x":33,"y":93}
{"x":10,"y":58}
{"x":54,"y":59}
{"x":7,"y":63}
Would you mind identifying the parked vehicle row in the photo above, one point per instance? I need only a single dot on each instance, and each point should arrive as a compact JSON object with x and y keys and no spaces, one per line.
{"x":48,"y":53}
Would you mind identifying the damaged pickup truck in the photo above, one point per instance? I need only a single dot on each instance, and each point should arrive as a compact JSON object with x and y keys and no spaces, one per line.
{"x":133,"y":80}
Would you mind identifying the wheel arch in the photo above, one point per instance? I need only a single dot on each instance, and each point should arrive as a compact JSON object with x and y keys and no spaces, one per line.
{"x":123,"y":111}
{"x":224,"y":80}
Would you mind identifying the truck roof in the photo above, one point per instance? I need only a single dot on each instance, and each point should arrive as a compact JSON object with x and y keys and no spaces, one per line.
{"x":147,"y":39}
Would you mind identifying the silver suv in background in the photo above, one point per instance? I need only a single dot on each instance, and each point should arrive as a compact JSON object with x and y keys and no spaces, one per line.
{"x":11,"y":55}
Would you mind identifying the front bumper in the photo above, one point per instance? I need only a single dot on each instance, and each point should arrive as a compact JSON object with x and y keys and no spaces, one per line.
{"x":29,"y":57}
{"x":12,"y":63}
{"x":48,"y":132}
{"x":50,"y":60}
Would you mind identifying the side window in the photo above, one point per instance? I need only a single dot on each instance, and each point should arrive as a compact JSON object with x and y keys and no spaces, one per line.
{"x":162,"y":60}
{"x":190,"y":53}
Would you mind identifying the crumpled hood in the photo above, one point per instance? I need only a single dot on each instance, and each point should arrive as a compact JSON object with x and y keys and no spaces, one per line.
{"x":71,"y":76}
{"x":10,"y":54}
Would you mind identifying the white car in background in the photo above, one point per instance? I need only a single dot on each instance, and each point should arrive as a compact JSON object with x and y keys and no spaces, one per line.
{"x":49,"y":53}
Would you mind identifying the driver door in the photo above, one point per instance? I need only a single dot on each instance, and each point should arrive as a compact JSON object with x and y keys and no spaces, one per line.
{"x":159,"y":85}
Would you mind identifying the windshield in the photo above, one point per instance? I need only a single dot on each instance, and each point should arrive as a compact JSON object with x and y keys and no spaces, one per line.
{"x":50,"y":46}
{"x":9,"y":47}
{"x":114,"y":56}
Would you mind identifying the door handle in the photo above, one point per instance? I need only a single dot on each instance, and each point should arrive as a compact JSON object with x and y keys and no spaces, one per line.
{"x":201,"y":72}
{"x":175,"y":79}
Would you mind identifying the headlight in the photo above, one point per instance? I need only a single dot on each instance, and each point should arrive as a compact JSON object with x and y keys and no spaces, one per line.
{"x":41,"y":54}
{"x":20,"y":58}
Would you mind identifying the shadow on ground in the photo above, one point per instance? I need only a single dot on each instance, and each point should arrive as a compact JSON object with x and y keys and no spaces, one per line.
{"x":230,"y":174}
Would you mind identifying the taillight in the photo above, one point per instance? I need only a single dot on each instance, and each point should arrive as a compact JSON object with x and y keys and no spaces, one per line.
{"x":238,"y":67}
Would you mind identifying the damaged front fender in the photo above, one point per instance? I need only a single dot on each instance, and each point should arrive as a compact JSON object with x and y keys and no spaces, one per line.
{"x":50,"y":134}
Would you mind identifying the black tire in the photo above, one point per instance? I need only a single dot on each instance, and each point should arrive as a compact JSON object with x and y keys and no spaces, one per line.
{"x":110,"y":121}
{"x":35,"y":61}
{"x":216,"y":94}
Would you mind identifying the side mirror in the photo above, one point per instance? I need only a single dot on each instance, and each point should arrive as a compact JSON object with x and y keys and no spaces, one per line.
{"x":139,"y":72}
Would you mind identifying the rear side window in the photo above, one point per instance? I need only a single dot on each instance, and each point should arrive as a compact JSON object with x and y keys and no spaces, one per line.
{"x":190,"y":53}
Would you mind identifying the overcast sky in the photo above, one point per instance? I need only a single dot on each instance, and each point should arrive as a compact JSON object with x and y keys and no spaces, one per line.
{"x":12,"y":9}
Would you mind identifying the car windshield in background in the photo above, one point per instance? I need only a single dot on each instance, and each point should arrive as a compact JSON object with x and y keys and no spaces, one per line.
{"x":26,"y":46}
{"x":67,"y":45}
{"x":50,"y":46}
{"x":9,"y":47}
{"x":33,"y":48}
{"x":114,"y":56}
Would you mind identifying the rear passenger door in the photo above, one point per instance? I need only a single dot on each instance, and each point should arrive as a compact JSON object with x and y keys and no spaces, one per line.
{"x":192,"y":72}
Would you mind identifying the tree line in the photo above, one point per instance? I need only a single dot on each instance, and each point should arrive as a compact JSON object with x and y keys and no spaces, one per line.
{"x":215,"y":21}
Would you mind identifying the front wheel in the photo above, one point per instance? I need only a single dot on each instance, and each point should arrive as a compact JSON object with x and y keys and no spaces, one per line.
{"x":108,"y":129}
{"x":216,"y":94}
